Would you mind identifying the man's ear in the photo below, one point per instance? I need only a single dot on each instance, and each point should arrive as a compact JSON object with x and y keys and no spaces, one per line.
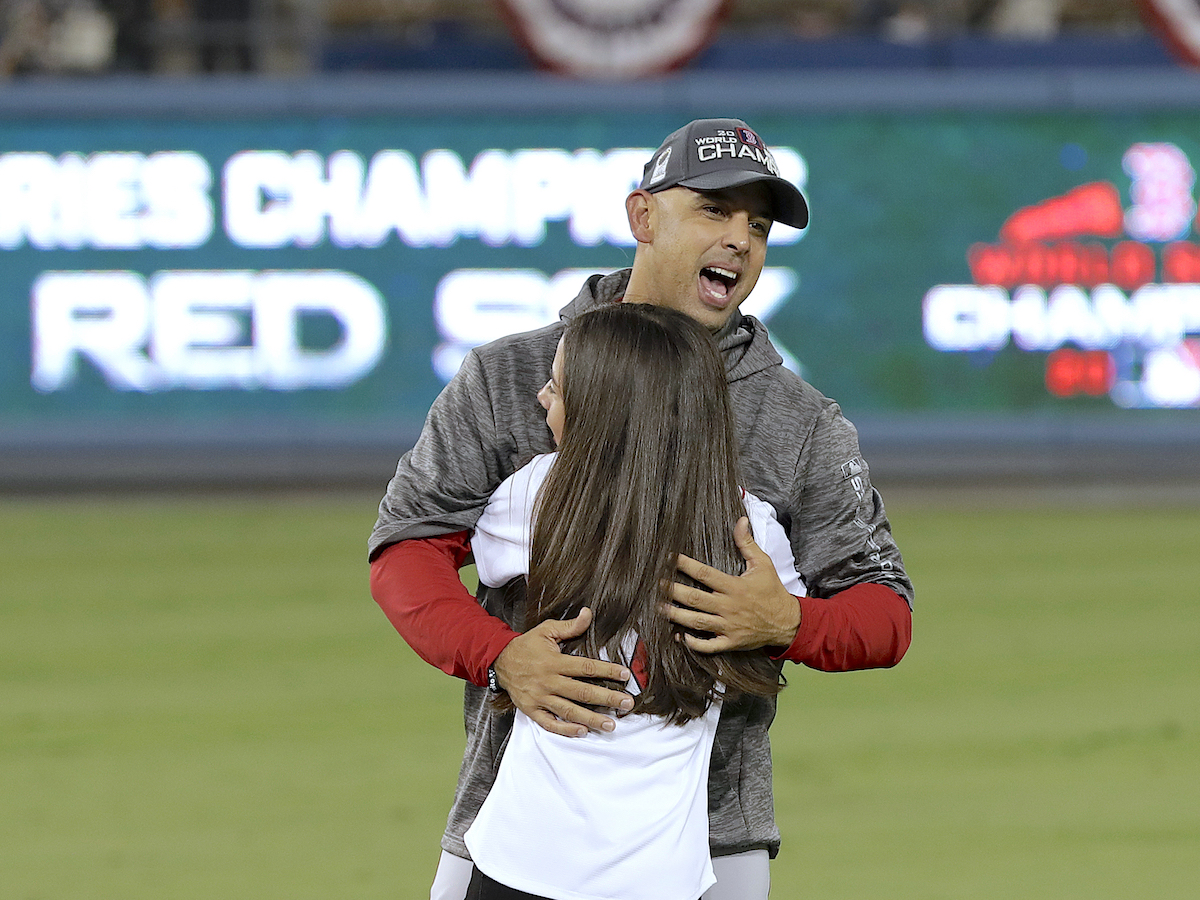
{"x":638,"y":207}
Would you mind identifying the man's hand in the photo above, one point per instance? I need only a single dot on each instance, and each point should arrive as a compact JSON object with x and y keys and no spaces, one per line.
{"x":542,"y":680}
{"x":743,"y":612}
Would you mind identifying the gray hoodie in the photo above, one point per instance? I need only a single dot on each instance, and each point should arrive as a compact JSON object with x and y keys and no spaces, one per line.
{"x":798,"y":453}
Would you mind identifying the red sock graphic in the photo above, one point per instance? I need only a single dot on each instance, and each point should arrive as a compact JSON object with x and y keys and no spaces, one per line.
{"x":1090,"y":209}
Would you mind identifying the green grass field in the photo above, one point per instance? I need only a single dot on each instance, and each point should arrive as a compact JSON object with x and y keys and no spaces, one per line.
{"x":199,"y":699}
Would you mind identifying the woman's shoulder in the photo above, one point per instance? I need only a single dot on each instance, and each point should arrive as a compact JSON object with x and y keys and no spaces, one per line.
{"x":513,"y":499}
{"x":503,"y":533}
{"x":529,"y":476}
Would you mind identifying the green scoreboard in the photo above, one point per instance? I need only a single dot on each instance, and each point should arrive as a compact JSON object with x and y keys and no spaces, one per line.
{"x":325,"y":271}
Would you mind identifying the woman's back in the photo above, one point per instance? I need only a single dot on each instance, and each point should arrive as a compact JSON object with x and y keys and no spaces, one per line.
{"x":646,"y":470}
{"x":620,"y":814}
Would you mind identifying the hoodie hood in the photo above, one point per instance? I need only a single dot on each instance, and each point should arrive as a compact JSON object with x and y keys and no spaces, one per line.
{"x":743,"y":339}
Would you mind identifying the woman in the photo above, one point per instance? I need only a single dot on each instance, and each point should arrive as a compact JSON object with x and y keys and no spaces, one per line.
{"x":645,"y":470}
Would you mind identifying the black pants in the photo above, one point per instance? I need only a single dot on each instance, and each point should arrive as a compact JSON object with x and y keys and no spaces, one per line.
{"x":484,"y":888}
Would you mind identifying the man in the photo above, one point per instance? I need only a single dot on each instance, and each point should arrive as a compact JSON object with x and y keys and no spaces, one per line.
{"x":701,"y":217}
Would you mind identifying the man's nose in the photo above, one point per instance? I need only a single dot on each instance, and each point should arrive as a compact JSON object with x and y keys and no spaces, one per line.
{"x":737,"y":236}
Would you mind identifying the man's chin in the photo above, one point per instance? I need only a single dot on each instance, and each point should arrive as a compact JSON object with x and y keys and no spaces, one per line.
{"x":712,"y":315}
{"x":715,"y":315}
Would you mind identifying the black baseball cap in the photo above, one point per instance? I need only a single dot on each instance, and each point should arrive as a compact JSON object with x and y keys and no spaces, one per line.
{"x":714,"y":154}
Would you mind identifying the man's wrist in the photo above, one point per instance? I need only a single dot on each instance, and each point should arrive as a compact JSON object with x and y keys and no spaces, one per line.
{"x":791,"y":627}
{"x":493,"y":683}
{"x":490,"y":655}
{"x":783,"y":649}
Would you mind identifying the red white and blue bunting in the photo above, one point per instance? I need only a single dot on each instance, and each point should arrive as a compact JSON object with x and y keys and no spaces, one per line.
{"x":1178,"y":21}
{"x":614,"y":38}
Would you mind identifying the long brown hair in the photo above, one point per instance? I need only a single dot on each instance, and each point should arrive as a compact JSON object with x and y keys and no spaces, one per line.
{"x":646,"y":469}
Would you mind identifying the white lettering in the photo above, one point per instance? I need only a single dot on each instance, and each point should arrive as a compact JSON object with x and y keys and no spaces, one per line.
{"x":1164,"y":313}
{"x":273,"y":199}
{"x":966,"y":317}
{"x":178,"y":212}
{"x":1114,"y":316}
{"x":204,"y":330}
{"x":472,"y":203}
{"x":110,"y":201}
{"x":1171,"y":377}
{"x":321,"y":193}
{"x":474,"y":306}
{"x":28,"y":185}
{"x":256,"y":189}
{"x":393,"y":201}
{"x":709,"y":152}
{"x":281,"y":299}
{"x":542,"y":185}
{"x":202,"y":333}
{"x":602,"y":182}
{"x":102,"y":316}
{"x":1067,"y":317}
{"x":115,"y":205}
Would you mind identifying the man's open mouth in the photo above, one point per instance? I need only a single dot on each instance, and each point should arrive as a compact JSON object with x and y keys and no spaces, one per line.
{"x":719,"y":282}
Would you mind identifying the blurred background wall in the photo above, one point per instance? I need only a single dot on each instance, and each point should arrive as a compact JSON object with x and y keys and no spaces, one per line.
{"x":248,"y":242}
{"x":285,"y":37}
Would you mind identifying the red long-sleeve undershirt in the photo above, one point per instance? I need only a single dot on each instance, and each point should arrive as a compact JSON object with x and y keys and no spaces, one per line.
{"x":416,"y":584}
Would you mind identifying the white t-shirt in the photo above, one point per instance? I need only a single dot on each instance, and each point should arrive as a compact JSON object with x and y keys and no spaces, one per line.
{"x":622,"y":814}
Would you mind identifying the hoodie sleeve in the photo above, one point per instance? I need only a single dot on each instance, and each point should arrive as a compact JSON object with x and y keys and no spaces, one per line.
{"x":443,"y":483}
{"x":416,"y":584}
{"x":483,"y":426}
{"x":858,"y":614}
{"x":840,"y":530}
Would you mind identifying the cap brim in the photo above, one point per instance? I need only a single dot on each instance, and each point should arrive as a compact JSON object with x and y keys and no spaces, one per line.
{"x":787,"y":202}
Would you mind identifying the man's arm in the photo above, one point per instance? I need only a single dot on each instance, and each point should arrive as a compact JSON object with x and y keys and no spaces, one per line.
{"x":863,"y":627}
{"x":416,"y":584}
{"x":868,"y":626}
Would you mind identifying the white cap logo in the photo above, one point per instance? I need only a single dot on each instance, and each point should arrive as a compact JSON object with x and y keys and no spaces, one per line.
{"x":660,"y":166}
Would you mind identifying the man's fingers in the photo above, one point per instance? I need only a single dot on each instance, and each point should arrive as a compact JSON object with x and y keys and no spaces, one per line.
{"x":691,"y":618}
{"x":717,"y":644}
{"x":751,"y":552}
{"x":561,"y":714}
{"x":686,"y":595}
{"x":557,"y":630}
{"x":549,"y":722}
{"x":564,"y":629}
{"x":558,"y":708}
{"x":706,"y":575}
{"x":743,"y":537}
{"x":555,"y":689}
{"x":586,"y":667}
{"x":572,"y":691}
{"x":741,"y":531}
{"x":589,"y":719}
